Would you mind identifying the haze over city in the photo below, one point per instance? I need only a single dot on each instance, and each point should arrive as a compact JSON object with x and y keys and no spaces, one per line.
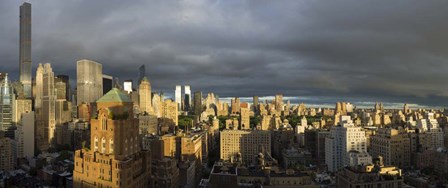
{"x":319,"y":51}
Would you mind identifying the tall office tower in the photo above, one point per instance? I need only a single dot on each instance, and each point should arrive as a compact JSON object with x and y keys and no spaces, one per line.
{"x":115,"y":158}
{"x":40,"y":128}
{"x":279,"y":102}
{"x":65,"y":79}
{"x":89,"y":81}
{"x":343,"y":139}
{"x":244,"y":143}
{"x":235,"y":105}
{"x":393,"y":145}
{"x":127,"y":86}
{"x":144,"y":94}
{"x":60,"y":89}
{"x":141,"y":73}
{"x":108,"y":82}
{"x":197,"y":103}
{"x":6,"y":104}
{"x":187,"y":98}
{"x":178,"y":96}
{"x":25,"y":48}
{"x":48,"y":102}
{"x":244,"y":118}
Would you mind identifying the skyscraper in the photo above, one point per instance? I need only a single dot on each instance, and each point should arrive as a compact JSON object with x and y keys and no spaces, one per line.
{"x":197,"y":103}
{"x":40,"y":128}
{"x":187,"y":98}
{"x":48,"y":102}
{"x":178,"y":95}
{"x":89,"y":81}
{"x":107,"y":83}
{"x":6,"y":104}
{"x":25,"y":48}
{"x":144,"y":93}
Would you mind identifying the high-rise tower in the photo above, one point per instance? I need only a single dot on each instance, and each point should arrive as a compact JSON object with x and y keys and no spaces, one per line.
{"x":48,"y":102}
{"x":197,"y":103}
{"x":6,"y":101}
{"x":178,"y":96}
{"x":25,"y":48}
{"x":89,"y":81}
{"x":187,"y":98}
{"x":144,"y":93}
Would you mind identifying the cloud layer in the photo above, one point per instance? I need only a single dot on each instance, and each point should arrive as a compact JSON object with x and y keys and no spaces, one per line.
{"x":391,"y":51}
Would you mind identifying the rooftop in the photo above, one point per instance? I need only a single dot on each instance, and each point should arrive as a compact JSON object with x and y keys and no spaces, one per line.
{"x":114,"y":95}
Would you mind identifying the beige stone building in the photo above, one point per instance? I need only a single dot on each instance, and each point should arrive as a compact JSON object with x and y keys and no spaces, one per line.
{"x":235,"y":103}
{"x":245,"y":118}
{"x":115,"y":158}
{"x":21,"y":106}
{"x":366,"y":176}
{"x":279,"y":103}
{"x":144,"y":96}
{"x":170,"y":113}
{"x":191,"y":157}
{"x":243,"y":143}
{"x":49,"y":103}
{"x":147,"y":124}
{"x":393,"y":145}
{"x":83,"y":112}
{"x":45,"y":106}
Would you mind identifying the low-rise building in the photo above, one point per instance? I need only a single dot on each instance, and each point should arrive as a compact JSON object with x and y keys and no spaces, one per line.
{"x":370,"y":176}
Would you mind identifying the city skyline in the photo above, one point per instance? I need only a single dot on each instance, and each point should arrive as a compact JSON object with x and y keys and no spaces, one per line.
{"x":317,"y":50}
{"x":237,"y":94}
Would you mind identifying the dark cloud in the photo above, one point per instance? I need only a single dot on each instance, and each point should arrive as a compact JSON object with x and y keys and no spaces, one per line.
{"x":392,"y":51}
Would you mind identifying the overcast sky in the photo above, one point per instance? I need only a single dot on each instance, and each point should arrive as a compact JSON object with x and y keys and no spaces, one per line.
{"x":378,"y":50}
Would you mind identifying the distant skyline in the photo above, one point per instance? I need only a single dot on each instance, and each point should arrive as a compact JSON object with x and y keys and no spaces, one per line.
{"x":321,"y":51}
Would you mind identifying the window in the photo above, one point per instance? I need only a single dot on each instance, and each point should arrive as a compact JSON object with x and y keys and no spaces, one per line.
{"x":104,"y":123}
{"x":111,"y":145}
{"x":103,"y":145}
{"x":96,"y":144}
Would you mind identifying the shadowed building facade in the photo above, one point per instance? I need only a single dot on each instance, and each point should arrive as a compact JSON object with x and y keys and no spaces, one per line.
{"x":25,"y":48}
{"x":115,"y":158}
